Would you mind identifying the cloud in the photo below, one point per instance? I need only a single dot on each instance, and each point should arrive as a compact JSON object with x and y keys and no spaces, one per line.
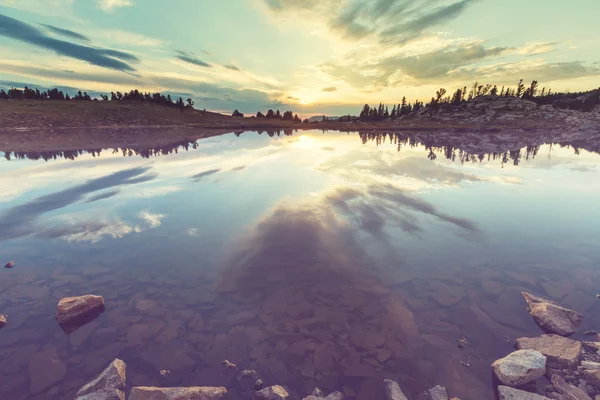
{"x":232,"y":67}
{"x":330,"y":89}
{"x":191,"y":59}
{"x":204,"y":174}
{"x":423,"y":68}
{"x":22,"y":220}
{"x":106,"y":58}
{"x":193,"y":232}
{"x":102,"y":196}
{"x":152,"y":219}
{"x":90,"y":231}
{"x":66,"y":33}
{"x":111,"y":5}
{"x":538,"y":48}
{"x":112,"y":78}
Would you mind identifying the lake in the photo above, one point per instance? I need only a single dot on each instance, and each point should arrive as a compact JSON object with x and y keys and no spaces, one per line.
{"x":316,"y":258}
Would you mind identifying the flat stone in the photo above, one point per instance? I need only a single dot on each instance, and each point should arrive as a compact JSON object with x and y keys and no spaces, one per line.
{"x":392,"y":390}
{"x":177,"y":393}
{"x":590,"y":365}
{"x":591,"y":346}
{"x":520,"y":367}
{"x":560,"y":352}
{"x":447,"y":295}
{"x":271,"y":393}
{"x":111,"y":379}
{"x":492,"y":286}
{"x":569,"y":392}
{"x":72,"y":308}
{"x":508,"y":393}
{"x":551,"y":317}
{"x":438,"y":393}
{"x":45,"y":369}
{"x":323,"y":357}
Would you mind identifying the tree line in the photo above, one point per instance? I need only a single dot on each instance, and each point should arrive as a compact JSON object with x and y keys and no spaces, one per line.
{"x":531,"y":92}
{"x":286,"y":116}
{"x":133,"y":95}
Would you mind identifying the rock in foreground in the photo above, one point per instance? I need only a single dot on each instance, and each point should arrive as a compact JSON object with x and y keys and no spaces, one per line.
{"x":551,"y":317}
{"x":73,"y":308}
{"x":392,"y":390}
{"x":271,"y":393}
{"x":559,"y":351}
{"x":9,"y":264}
{"x":520,"y":367}
{"x":508,"y":393}
{"x":110,"y":384}
{"x":568,"y":392}
{"x":178,"y":393}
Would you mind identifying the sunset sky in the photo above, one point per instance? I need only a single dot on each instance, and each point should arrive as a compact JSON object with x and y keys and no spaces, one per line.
{"x":310,"y":56}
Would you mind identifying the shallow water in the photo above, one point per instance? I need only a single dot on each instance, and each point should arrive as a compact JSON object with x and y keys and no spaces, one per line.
{"x":319,"y":259}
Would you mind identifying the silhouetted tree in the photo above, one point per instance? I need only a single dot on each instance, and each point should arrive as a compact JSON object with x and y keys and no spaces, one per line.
{"x":236,"y":113}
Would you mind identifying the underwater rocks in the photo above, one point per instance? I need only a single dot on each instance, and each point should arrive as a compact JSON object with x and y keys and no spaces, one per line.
{"x":520,"y":367}
{"x":177,"y":393}
{"x":45,"y":369}
{"x":73,"y":309}
{"x":109,"y":384}
{"x":551,"y":317}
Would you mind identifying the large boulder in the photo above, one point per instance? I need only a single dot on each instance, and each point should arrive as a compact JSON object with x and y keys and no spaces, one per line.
{"x":568,"y":392}
{"x":593,"y":377}
{"x":71,"y":309}
{"x":508,"y":393}
{"x":520,"y":367}
{"x":177,"y":393}
{"x":392,"y":390}
{"x":551,"y":317}
{"x":110,"y":384}
{"x":271,"y":393}
{"x":438,"y":393}
{"x":560,"y":352}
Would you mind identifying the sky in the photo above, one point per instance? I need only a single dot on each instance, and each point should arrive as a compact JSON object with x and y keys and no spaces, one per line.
{"x":309,"y":56}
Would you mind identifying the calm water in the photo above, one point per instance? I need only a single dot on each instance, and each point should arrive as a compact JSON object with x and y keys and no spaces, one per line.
{"x":318,"y":259}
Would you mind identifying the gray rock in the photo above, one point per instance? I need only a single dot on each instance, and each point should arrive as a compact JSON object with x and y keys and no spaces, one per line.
{"x":592,"y":377}
{"x":590,"y":365}
{"x":551,"y":317}
{"x":568,"y":392}
{"x":560,"y":352}
{"x":520,"y":367}
{"x":177,"y":393}
{"x":110,"y":382}
{"x":335,"y":396}
{"x":103,"y":394}
{"x":72,"y":308}
{"x":508,"y":393}
{"x":271,"y":393}
{"x":392,"y":390}
{"x":438,"y":393}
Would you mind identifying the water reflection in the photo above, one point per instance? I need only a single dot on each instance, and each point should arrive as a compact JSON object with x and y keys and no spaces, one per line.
{"x":313,"y":258}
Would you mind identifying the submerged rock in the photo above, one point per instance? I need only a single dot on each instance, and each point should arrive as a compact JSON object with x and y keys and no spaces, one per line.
{"x":2,"y":320}
{"x":569,"y":392}
{"x":109,"y":384}
{"x":438,"y":393}
{"x":177,"y":393}
{"x":71,"y":309}
{"x":520,"y":367}
{"x":551,"y":317}
{"x":508,"y":393}
{"x":559,"y":351}
{"x":271,"y":393}
{"x":392,"y":390}
{"x":246,"y":380}
{"x":9,"y":264}
{"x":45,"y":369}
